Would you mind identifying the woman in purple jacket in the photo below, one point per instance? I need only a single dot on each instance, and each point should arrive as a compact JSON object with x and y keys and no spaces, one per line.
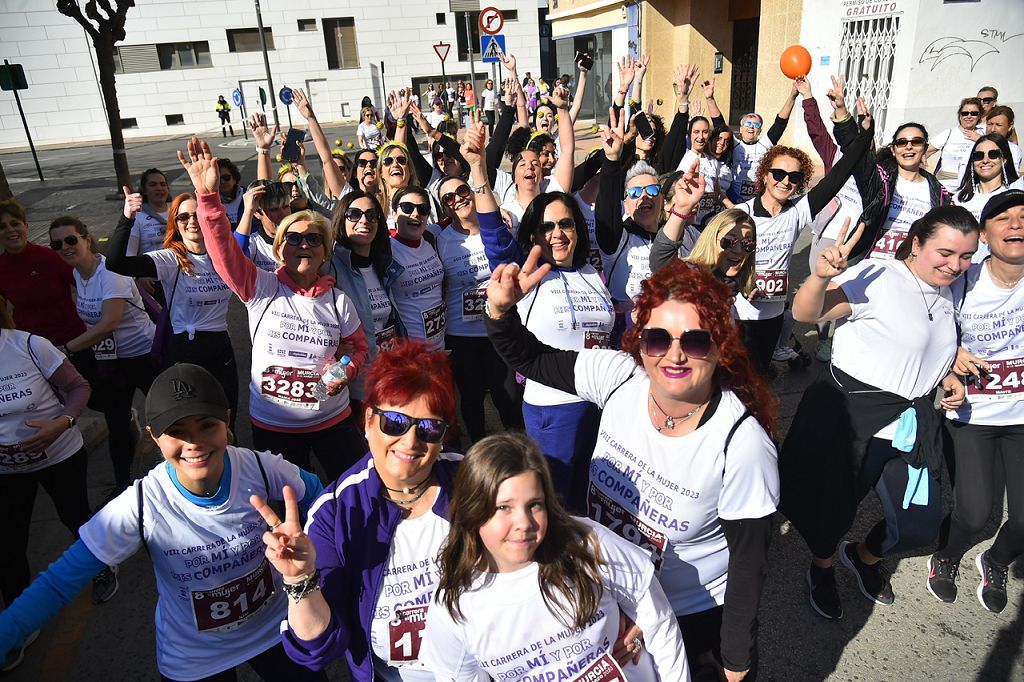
{"x":361,"y":577}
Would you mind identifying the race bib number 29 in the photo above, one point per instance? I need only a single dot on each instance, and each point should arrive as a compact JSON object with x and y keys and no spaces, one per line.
{"x":105,"y":349}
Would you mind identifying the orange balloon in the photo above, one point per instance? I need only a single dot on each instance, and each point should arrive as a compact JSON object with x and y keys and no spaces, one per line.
{"x":795,"y":61}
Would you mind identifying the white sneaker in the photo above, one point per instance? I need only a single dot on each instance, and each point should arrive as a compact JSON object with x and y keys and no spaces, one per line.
{"x":823,"y":351}
{"x":784,"y":354}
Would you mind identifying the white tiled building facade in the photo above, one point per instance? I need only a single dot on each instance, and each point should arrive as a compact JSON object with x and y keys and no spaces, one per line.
{"x":179,"y":55}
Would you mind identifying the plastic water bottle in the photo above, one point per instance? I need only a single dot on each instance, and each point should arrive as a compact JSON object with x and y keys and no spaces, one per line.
{"x":335,"y":371}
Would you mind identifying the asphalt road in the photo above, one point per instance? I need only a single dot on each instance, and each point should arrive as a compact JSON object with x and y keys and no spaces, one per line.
{"x":918,"y":638}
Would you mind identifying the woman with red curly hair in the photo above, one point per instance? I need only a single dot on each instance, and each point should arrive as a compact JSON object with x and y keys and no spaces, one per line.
{"x":362,"y":575}
{"x":684,"y":465}
{"x":783,"y":174}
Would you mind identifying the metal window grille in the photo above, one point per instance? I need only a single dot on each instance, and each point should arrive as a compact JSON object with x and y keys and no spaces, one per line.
{"x":867,"y":54}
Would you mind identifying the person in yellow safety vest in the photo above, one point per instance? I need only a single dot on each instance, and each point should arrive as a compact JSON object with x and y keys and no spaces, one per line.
{"x":223,"y":110}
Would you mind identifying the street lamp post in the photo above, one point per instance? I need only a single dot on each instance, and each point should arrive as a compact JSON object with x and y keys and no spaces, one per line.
{"x":266,"y":63}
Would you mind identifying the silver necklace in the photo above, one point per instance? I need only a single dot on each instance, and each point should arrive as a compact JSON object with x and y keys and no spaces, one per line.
{"x":924,"y":299}
{"x":670,"y":421}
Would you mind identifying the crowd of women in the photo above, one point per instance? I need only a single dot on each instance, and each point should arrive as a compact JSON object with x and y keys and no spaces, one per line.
{"x":623,"y":312}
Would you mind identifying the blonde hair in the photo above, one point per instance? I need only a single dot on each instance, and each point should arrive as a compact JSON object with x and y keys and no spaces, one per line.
{"x":707,"y":248}
{"x":315,"y":220}
{"x":384,"y":191}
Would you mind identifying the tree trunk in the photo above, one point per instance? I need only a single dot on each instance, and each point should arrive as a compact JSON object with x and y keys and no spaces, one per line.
{"x":104,"y":46}
{"x":5,"y":189}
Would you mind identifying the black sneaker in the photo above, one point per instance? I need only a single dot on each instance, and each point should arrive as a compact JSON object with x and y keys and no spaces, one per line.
{"x":17,"y":654}
{"x":824,"y":595}
{"x":104,"y":585}
{"x":942,"y":575}
{"x":873,"y":580}
{"x":992,"y":588}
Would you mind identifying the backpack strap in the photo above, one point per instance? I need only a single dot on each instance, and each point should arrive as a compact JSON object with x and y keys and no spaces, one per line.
{"x":141,"y":506}
{"x":32,"y":354}
{"x":732,"y":432}
{"x":621,"y":384}
{"x":263,"y":473}
{"x":270,"y":303}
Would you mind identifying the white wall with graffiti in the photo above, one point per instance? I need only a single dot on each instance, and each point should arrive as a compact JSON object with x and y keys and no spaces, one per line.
{"x":913,"y":60}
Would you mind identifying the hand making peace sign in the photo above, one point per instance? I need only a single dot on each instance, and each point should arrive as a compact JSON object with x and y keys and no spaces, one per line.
{"x":833,"y":260}
{"x":289,"y":549}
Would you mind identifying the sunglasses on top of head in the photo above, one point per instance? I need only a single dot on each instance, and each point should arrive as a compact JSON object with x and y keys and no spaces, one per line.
{"x":407,"y":207}
{"x":395,"y":424}
{"x":312,"y":239}
{"x":637,"y":192}
{"x":656,"y":342}
{"x":460,"y":192}
{"x":402,"y":160}
{"x":70,"y":240}
{"x":992,"y":154}
{"x":748,"y":244}
{"x":795,"y":177}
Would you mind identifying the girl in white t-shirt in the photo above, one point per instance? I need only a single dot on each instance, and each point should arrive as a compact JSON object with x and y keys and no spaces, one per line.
{"x":219,"y":603}
{"x":197,"y":297}
{"x":369,"y":132}
{"x":528,"y":591}
{"x":151,"y":219}
{"x":990,"y":172}
{"x":954,"y":144}
{"x":893,"y":347}
{"x":118,"y":330}
{"x":418,"y":289}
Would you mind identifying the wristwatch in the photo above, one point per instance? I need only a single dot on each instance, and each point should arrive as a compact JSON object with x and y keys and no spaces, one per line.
{"x":71,"y":420}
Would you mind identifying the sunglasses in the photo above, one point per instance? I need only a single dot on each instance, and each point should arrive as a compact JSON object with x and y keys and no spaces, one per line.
{"x":183,"y":218}
{"x":70,"y":240}
{"x":356,"y":214}
{"x":363,"y":163}
{"x":565,"y":224}
{"x":964,"y":113}
{"x":312,"y":239}
{"x":993,"y":154}
{"x":909,"y":142}
{"x":752,"y":124}
{"x":637,"y":192}
{"x":748,"y":244}
{"x":396,"y":424}
{"x":407,"y":207}
{"x":795,"y":177}
{"x":226,"y":178}
{"x":462,"y":191}
{"x":403,"y":160}
{"x":656,"y":342}
{"x":987,"y":100}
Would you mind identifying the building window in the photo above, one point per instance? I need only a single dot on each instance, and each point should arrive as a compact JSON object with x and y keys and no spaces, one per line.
{"x":460,"y":34}
{"x":442,"y":18}
{"x":161,"y":57}
{"x":129,"y":123}
{"x":175,"y":119}
{"x":340,"y":42}
{"x":306,"y":25}
{"x":510,"y":14}
{"x":248,"y":39}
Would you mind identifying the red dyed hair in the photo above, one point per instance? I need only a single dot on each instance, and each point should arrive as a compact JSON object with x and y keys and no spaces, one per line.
{"x":408,"y":370}
{"x":172,"y":238}
{"x":691,"y":283}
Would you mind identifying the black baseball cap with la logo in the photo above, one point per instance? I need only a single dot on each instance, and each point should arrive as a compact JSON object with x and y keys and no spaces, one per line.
{"x":184,"y":390}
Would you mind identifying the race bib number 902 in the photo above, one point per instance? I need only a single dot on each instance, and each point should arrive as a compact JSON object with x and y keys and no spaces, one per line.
{"x":774,"y":284}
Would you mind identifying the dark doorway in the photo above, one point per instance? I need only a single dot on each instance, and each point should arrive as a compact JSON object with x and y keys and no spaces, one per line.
{"x":744,"y":68}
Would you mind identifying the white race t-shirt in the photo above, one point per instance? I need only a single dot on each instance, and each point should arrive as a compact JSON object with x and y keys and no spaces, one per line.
{"x":955,"y":152}
{"x":594,"y":259}
{"x":510,"y":633}
{"x":488,"y":98}
{"x":466,"y":274}
{"x":910,"y":201}
{"x":199,"y":302}
{"x":295,"y":339}
{"x":888,"y":341}
{"x":220,"y":602}
{"x":147,"y":233}
{"x":26,"y":394}
{"x":711,"y":169}
{"x":776,"y":237}
{"x":380,"y":302}
{"x":846,"y":204}
{"x":510,"y":200}
{"x":261,"y":252}
{"x":668,"y":494}
{"x":134,"y":335}
{"x":417,"y":292}
{"x":628,"y":267}
{"x":992,"y":327}
{"x":406,"y":594}
{"x":372,"y":135}
{"x":570,"y":310}
{"x":745,"y":159}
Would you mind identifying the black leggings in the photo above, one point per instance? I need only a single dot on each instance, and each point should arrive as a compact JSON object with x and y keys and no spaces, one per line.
{"x":702,"y":633}
{"x":64,"y":482}
{"x":478,"y":368}
{"x":760,"y":338}
{"x":978,"y":450}
{"x":337,"y":447}
{"x":213,"y":352}
{"x":273,"y":664}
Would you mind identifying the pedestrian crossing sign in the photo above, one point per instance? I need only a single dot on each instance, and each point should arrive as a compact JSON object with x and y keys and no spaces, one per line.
{"x":492,"y":47}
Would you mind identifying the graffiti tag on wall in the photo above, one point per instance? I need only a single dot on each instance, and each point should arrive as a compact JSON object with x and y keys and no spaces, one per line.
{"x":972,"y":49}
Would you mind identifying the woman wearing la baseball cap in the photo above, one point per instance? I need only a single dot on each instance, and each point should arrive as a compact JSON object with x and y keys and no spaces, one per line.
{"x":217,"y":596}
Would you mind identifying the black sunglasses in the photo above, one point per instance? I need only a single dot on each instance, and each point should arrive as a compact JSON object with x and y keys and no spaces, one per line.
{"x":407,"y":207}
{"x":795,"y":177}
{"x":183,"y":218}
{"x":987,"y":100}
{"x":356,"y":214}
{"x":656,"y":342}
{"x":909,"y":141}
{"x":992,"y":154}
{"x":748,"y":244}
{"x":462,"y":191}
{"x":387,"y":161}
{"x":396,"y":424}
{"x":565,"y":224}
{"x":965,"y":113}
{"x":363,"y":163}
{"x":312,"y":239}
{"x":70,"y":240}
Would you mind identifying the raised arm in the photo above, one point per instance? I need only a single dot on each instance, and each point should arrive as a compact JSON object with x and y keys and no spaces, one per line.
{"x":674,"y":147}
{"x":502,"y":129}
{"x":472,"y":152}
{"x":638,"y":82}
{"x":853,"y":157}
{"x":581,"y":89}
{"x":332,"y":174}
{"x":264,"y":138}
{"x":627,"y":73}
{"x":819,"y":299}
{"x":717,"y":120}
{"x":782,"y":118}
{"x":822,"y":141}
{"x":117,"y":259}
{"x":608,"y":208}
{"x":566,"y":163}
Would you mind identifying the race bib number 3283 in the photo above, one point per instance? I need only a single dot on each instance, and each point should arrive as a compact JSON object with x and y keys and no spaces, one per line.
{"x":290,"y":386}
